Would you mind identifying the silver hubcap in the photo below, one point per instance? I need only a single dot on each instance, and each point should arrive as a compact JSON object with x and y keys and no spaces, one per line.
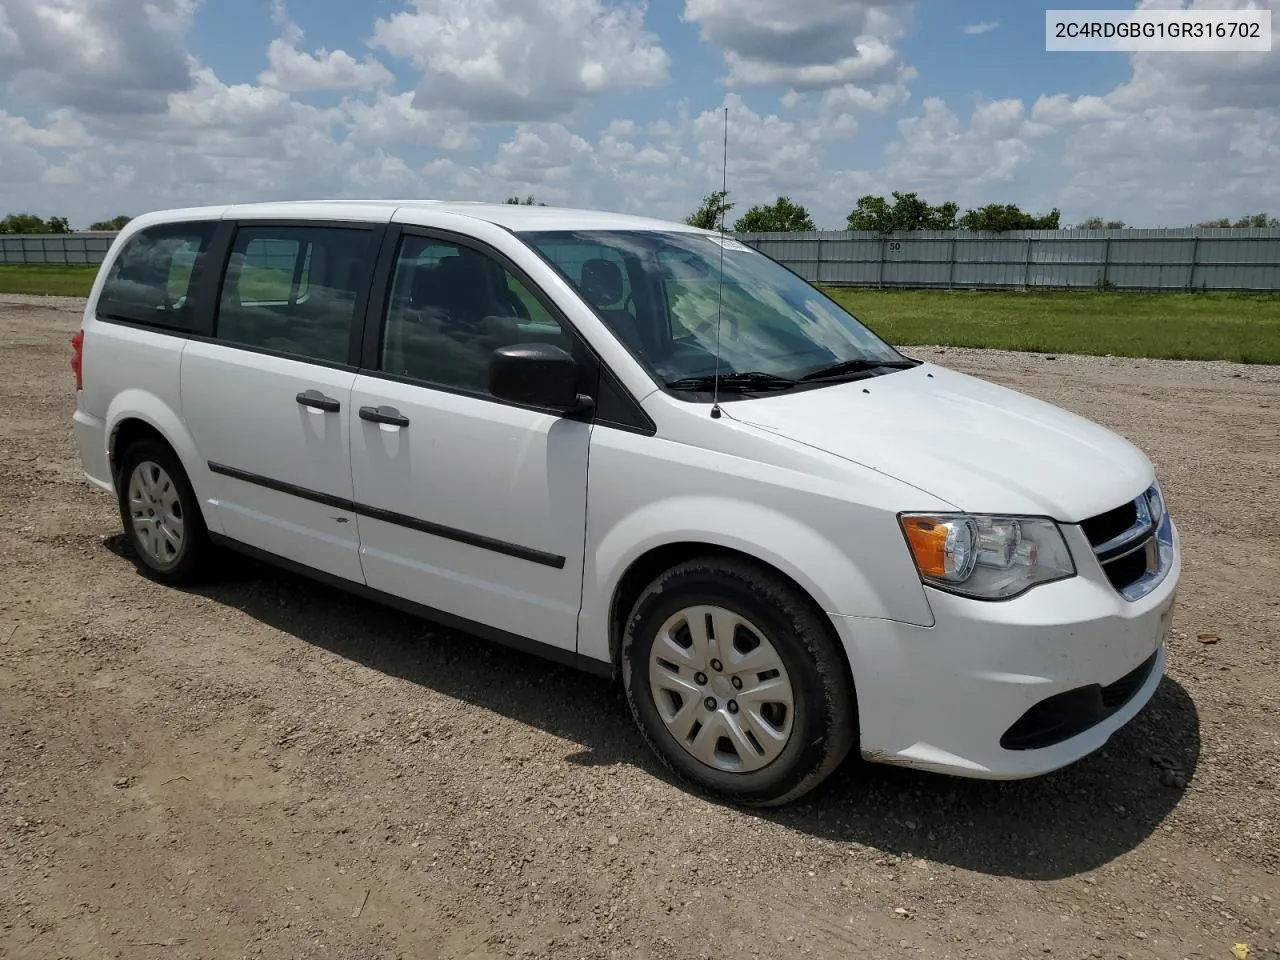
{"x":721,"y":689}
{"x":156,"y":513}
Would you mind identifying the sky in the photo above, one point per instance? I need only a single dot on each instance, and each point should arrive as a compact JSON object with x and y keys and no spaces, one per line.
{"x":126,"y":106}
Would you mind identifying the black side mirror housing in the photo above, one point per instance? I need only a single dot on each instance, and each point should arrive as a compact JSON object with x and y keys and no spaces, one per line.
{"x":537,"y":375}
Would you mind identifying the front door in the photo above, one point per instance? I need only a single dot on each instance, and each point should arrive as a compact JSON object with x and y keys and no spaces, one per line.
{"x":467,"y":504}
{"x":267,"y":401}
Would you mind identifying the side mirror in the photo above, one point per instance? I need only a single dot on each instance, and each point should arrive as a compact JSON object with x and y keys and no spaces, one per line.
{"x":538,"y":375}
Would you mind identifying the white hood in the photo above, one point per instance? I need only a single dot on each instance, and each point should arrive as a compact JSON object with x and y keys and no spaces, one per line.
{"x":979,"y":446}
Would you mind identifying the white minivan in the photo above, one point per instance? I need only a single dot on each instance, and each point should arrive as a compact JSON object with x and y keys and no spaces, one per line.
{"x":642,"y":449}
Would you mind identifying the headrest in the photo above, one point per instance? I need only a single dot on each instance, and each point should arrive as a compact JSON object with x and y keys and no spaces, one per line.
{"x":601,"y":282}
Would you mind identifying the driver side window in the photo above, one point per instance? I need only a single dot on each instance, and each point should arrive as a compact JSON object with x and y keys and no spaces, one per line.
{"x":450,"y":308}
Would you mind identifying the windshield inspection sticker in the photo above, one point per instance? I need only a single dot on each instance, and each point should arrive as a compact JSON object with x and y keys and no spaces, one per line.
{"x":729,"y":243}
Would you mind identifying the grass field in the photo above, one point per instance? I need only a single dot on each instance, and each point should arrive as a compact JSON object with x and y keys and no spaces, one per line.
{"x":1179,"y":326}
{"x":49,"y":281}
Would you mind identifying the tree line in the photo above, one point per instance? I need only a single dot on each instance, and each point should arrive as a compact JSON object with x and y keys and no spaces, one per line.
{"x":30,"y":223}
{"x":909,"y":211}
{"x":902,"y":212}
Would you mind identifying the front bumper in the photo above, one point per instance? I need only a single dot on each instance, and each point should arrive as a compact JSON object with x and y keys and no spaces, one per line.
{"x":966,"y":696}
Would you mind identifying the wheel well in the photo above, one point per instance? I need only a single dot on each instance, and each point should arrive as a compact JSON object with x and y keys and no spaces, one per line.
{"x":129,"y":432}
{"x":645,"y":568}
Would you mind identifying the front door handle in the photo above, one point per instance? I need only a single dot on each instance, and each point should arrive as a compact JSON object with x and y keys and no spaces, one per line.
{"x":384,"y":415}
{"x":318,"y":401}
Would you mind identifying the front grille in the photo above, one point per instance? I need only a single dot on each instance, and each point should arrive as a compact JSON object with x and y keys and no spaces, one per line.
{"x":1134,"y":543}
{"x":1106,"y":526}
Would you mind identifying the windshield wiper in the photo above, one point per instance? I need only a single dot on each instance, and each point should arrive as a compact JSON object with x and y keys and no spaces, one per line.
{"x":736,"y":382}
{"x":843,"y":368}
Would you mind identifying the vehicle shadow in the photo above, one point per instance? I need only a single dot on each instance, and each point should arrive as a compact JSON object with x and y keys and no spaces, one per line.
{"x":1060,"y":825}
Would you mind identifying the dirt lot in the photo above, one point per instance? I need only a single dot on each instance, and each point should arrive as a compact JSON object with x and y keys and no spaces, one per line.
{"x":269,"y":768}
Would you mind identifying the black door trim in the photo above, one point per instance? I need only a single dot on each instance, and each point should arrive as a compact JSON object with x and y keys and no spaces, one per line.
{"x":398,"y":519}
{"x":537,"y":648}
{"x":315,"y":496}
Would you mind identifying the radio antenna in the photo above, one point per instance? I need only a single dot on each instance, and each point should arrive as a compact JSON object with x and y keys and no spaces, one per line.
{"x":724,"y":196}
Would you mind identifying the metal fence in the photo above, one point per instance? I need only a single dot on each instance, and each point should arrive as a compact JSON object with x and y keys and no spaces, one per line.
{"x":1177,"y":259}
{"x":57,"y":249}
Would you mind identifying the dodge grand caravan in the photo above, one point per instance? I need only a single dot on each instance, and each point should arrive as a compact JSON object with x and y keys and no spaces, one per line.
{"x":638,"y":448}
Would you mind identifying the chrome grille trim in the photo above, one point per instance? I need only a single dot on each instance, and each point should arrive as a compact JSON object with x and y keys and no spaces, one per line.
{"x":1152,"y":533}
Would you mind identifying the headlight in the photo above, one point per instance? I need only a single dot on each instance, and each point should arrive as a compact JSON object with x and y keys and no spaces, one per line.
{"x":986,"y":557}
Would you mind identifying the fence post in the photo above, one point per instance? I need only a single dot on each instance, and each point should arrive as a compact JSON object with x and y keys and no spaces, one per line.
{"x":1106,"y":265}
{"x":1195,"y":259}
{"x":951,"y":268}
{"x":880,"y":266}
{"x":817,"y":267}
{"x":1026,"y":268}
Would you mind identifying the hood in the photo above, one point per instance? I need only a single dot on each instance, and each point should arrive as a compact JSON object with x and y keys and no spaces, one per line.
{"x":979,"y":446}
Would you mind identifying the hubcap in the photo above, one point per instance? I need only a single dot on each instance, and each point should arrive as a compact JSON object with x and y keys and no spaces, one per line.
{"x":721,"y":689}
{"x":156,"y":513}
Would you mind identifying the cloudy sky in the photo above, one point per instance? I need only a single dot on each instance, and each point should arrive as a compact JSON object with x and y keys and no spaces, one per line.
{"x":123,"y":106}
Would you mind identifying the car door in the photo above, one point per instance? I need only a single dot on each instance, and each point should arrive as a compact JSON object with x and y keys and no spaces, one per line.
{"x":468,"y":505}
{"x":266,"y":398}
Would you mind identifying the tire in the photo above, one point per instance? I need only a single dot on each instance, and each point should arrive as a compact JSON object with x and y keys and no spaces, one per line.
{"x":775,"y":636}
{"x":157,"y":502}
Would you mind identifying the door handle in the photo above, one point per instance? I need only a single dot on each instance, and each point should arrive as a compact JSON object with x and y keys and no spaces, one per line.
{"x":384,"y":415}
{"x":317,"y":400}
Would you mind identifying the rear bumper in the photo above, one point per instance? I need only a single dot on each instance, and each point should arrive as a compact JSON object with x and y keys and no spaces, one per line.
{"x":1012,"y":689}
{"x":91,"y":437}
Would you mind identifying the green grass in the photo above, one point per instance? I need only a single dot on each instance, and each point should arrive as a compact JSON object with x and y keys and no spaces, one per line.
{"x":1178,"y":326}
{"x":58,"y":281}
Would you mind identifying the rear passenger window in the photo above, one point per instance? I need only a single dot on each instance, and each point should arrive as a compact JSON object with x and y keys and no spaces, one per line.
{"x":150,"y":281}
{"x":450,"y":308}
{"x":294,"y":290}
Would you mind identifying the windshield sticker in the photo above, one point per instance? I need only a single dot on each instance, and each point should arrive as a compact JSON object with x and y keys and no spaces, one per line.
{"x":729,"y":243}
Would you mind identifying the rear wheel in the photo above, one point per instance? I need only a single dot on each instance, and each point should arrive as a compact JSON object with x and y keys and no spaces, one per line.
{"x":161,"y":516}
{"x":737,"y":683}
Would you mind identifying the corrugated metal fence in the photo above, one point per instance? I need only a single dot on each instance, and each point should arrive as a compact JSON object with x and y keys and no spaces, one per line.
{"x":1183,"y":259}
{"x":60,"y":248}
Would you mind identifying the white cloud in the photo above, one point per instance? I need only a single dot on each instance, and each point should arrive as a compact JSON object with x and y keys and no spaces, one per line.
{"x":515,"y":60}
{"x":296,"y":70}
{"x":983,"y":26}
{"x":937,"y":152}
{"x":811,"y":45}
{"x":103,"y":56}
{"x":392,"y":119}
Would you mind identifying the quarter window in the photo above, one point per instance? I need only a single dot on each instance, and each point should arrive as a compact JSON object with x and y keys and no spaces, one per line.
{"x":151,"y":280}
{"x":450,"y":308}
{"x":295,"y":290}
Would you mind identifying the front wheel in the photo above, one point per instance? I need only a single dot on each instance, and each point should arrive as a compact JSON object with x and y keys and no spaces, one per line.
{"x":736,"y":683}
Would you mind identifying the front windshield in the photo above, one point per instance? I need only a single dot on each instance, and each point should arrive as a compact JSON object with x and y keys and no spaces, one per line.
{"x":659,"y":292}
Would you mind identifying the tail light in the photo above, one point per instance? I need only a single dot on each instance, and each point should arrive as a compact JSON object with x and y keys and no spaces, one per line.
{"x":77,"y":358}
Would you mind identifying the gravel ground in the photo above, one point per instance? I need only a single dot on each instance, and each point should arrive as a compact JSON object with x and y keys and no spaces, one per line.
{"x":270,"y":768}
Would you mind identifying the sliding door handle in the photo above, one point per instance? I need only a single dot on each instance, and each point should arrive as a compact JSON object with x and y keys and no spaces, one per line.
{"x":318,"y":401}
{"x":384,"y":415}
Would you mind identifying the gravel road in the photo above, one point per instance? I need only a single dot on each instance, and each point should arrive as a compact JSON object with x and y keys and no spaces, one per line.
{"x":269,"y":768}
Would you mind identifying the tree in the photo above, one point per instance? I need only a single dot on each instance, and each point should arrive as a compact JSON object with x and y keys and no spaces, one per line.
{"x":778,"y":217}
{"x":58,"y":225}
{"x":29,"y":223}
{"x":998,"y":217}
{"x":115,"y":223}
{"x":1097,"y":223}
{"x":526,"y":202}
{"x":715,"y":207}
{"x":1249,"y":220}
{"x":907,"y":212}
